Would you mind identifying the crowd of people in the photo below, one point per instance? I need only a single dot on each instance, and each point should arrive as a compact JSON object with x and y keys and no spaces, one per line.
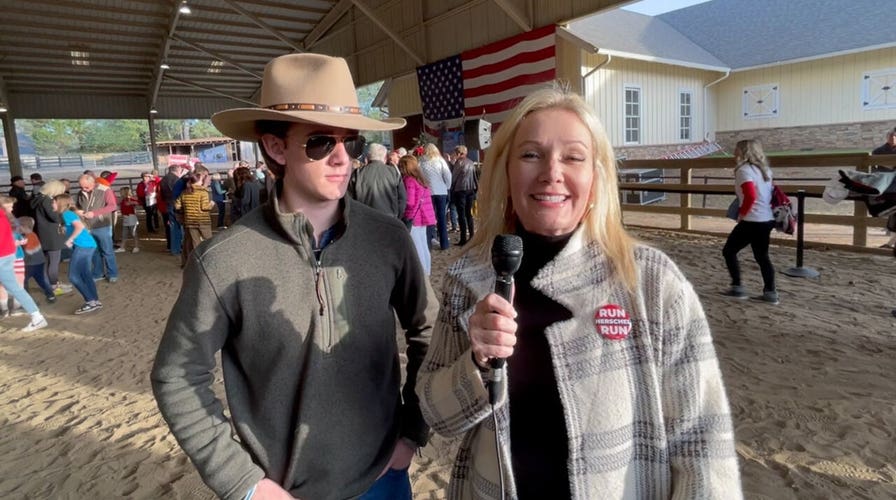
{"x":49,"y":225}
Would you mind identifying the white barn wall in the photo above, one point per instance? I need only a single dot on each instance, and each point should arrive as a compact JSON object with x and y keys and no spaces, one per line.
{"x":820,"y":92}
{"x":660,"y":85}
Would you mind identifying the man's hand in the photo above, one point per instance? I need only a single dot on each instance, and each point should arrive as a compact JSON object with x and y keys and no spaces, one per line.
{"x":401,"y":456}
{"x":269,"y":490}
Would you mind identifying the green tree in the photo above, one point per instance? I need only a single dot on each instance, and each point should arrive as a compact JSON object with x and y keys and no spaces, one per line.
{"x":201,"y":129}
{"x":366,"y":95}
{"x":57,"y":137}
{"x":169,"y":130}
{"x":109,"y":136}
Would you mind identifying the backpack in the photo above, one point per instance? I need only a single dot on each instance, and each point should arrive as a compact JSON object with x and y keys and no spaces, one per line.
{"x":782,"y":210}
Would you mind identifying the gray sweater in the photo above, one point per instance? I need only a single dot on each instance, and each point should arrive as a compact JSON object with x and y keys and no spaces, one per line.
{"x":309,"y":353}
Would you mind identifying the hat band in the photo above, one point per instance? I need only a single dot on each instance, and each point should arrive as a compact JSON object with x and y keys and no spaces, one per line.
{"x":302,"y":106}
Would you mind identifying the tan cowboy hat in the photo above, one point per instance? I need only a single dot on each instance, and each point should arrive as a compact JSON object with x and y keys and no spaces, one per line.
{"x":303,"y":88}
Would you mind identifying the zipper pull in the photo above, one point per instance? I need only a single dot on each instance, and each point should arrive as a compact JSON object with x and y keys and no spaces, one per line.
{"x":320,"y":299}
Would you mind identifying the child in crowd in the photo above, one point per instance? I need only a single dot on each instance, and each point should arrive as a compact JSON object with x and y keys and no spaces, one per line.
{"x":195,"y":205}
{"x":83,"y":246}
{"x":128,"y":205}
{"x":8,"y":279}
{"x":35,"y":262}
{"x":219,"y":196}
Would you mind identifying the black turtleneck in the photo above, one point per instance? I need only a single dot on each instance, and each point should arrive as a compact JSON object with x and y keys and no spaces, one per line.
{"x":538,"y":439}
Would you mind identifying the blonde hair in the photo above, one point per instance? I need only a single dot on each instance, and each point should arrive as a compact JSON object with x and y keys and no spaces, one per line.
{"x":52,"y":188}
{"x":63,"y":202}
{"x":431,"y":151}
{"x":602,"y":223}
{"x":750,"y":152}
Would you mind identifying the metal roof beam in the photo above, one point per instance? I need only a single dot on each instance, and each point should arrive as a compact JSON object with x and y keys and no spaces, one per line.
{"x":518,"y":18}
{"x":370,"y":14}
{"x":215,"y":55}
{"x":163,"y":53}
{"x":209,"y":90}
{"x":261,"y":24}
{"x":326,"y":23}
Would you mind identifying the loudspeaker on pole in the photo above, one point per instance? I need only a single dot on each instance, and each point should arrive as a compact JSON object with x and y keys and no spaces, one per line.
{"x":477,"y":134}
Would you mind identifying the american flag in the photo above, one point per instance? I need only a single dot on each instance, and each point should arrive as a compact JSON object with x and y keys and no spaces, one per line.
{"x":486,"y":82}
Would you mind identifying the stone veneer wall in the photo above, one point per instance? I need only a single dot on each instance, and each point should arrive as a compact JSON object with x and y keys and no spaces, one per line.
{"x":865,"y":135}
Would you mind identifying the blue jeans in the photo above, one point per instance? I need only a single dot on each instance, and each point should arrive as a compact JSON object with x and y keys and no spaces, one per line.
{"x":177,"y":231}
{"x":222,"y":211}
{"x":105,"y":253}
{"x":39,"y":274}
{"x":394,"y":485}
{"x":79,"y":273}
{"x":440,"y":205}
{"x":9,"y":282}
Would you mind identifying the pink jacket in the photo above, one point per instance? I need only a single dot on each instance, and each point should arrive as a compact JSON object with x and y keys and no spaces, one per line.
{"x":419,"y":207}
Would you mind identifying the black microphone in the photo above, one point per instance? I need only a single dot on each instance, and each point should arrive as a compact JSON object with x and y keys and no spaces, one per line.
{"x":507,"y":254}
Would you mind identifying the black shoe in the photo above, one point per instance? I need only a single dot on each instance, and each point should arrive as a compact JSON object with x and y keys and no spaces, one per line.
{"x":769,"y":296}
{"x":737,"y":292}
{"x":462,"y":243}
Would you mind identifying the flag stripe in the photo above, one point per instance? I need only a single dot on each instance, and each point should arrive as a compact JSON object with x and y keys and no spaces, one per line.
{"x":486,"y":82}
{"x":501,"y":100}
{"x":506,"y":61}
{"x":547,"y":31}
{"x":508,"y":82}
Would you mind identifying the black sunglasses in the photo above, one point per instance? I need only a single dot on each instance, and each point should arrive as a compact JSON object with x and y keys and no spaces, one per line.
{"x":318,"y":147}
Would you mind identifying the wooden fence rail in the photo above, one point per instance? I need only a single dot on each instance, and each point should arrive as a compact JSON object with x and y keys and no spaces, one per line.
{"x":793,"y":166}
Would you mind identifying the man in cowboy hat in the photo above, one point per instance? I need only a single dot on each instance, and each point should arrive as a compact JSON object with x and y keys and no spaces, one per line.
{"x":300,"y":298}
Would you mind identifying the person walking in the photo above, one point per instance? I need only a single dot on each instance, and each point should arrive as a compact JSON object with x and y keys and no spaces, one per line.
{"x":8,"y":279}
{"x":755,"y":221}
{"x":83,"y":247}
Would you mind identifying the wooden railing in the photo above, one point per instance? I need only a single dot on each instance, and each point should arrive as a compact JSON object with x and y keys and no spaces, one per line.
{"x":820,"y":168}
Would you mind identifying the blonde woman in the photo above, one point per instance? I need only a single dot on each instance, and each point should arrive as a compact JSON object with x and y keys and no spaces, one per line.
{"x":608,"y":350}
{"x":438,"y":177}
{"x":48,"y":226}
{"x":755,"y":221}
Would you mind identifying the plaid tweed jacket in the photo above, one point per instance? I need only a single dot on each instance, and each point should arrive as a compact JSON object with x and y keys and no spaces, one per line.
{"x":646,"y":415}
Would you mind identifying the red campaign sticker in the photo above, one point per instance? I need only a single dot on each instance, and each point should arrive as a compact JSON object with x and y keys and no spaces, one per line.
{"x":612,"y":322}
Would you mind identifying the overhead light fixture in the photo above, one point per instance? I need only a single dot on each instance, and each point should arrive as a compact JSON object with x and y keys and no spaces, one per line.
{"x":3,"y":108}
{"x":184,"y":8}
{"x":80,"y":56}
{"x":164,"y":66}
{"x":153,"y":111}
{"x":215,"y":66}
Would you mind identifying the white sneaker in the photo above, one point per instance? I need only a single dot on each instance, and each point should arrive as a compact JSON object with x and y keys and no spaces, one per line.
{"x":36,"y":324}
{"x":135,"y":250}
{"x":119,"y":250}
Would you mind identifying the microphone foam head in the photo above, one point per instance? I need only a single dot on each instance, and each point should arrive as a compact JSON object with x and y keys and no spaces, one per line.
{"x":507,"y":254}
